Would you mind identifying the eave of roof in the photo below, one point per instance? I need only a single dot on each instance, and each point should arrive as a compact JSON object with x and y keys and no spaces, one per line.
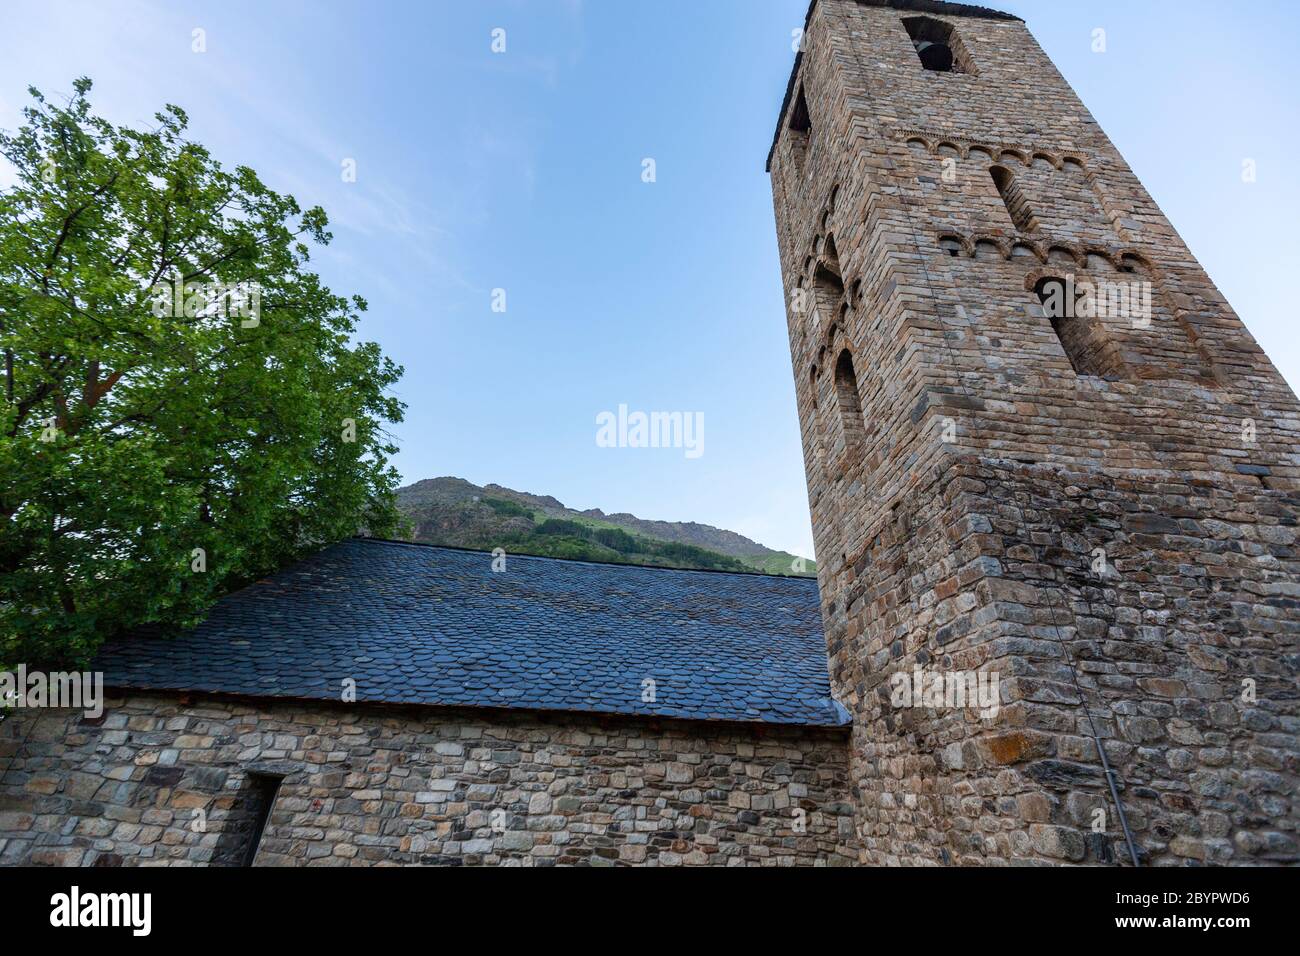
{"x":941,"y":7}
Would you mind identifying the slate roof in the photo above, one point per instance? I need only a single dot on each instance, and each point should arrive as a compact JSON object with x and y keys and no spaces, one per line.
{"x":414,"y":624}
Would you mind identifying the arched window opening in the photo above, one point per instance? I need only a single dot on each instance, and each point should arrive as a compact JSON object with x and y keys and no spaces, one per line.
{"x":832,"y":253}
{"x":1083,"y":338}
{"x":800,"y":126}
{"x":800,"y":121}
{"x":828,"y":283}
{"x":849,"y":400}
{"x":938,"y":45}
{"x":1013,"y":198}
{"x":815,"y":425}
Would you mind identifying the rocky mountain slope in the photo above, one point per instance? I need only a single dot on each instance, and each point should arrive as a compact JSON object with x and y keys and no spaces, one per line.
{"x":455,"y":512}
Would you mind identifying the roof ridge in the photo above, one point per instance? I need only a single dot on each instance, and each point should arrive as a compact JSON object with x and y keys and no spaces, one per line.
{"x":517,"y":555}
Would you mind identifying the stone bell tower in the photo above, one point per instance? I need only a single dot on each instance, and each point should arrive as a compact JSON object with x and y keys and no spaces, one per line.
{"x":1039,"y":445}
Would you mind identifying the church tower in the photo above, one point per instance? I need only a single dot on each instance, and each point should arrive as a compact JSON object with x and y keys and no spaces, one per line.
{"x":1045,"y":458}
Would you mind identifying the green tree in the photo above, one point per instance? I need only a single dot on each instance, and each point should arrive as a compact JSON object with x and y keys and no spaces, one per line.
{"x":158,"y":449}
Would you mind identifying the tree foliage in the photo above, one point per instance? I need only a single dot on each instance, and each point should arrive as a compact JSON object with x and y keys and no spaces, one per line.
{"x":154,"y":456}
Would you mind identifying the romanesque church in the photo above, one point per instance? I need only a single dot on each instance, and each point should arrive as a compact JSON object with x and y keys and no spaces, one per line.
{"x":1093,"y":498}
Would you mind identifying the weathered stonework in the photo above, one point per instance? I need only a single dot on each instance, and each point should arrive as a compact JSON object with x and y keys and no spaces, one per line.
{"x":1104,"y":513}
{"x":367,"y":785}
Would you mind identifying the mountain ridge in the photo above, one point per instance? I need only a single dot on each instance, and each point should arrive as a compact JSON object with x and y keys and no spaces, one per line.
{"x":456,"y":512}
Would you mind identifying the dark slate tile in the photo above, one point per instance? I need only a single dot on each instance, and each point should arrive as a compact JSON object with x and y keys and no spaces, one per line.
{"x":417,"y":624}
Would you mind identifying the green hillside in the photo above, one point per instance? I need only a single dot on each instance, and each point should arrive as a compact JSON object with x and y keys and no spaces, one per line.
{"x":454,"y":512}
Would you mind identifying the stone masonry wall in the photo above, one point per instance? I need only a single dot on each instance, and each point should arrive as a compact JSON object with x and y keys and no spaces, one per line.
{"x":1182,"y":646}
{"x":368,"y":786}
{"x":958,"y":497}
{"x":1176,"y":602}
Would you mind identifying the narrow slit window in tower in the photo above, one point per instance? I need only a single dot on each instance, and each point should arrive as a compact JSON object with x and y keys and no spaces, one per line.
{"x":1014,"y":198}
{"x":850,"y":401}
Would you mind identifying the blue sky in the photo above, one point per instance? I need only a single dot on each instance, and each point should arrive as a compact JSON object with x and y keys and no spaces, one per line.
{"x":522,"y":171}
